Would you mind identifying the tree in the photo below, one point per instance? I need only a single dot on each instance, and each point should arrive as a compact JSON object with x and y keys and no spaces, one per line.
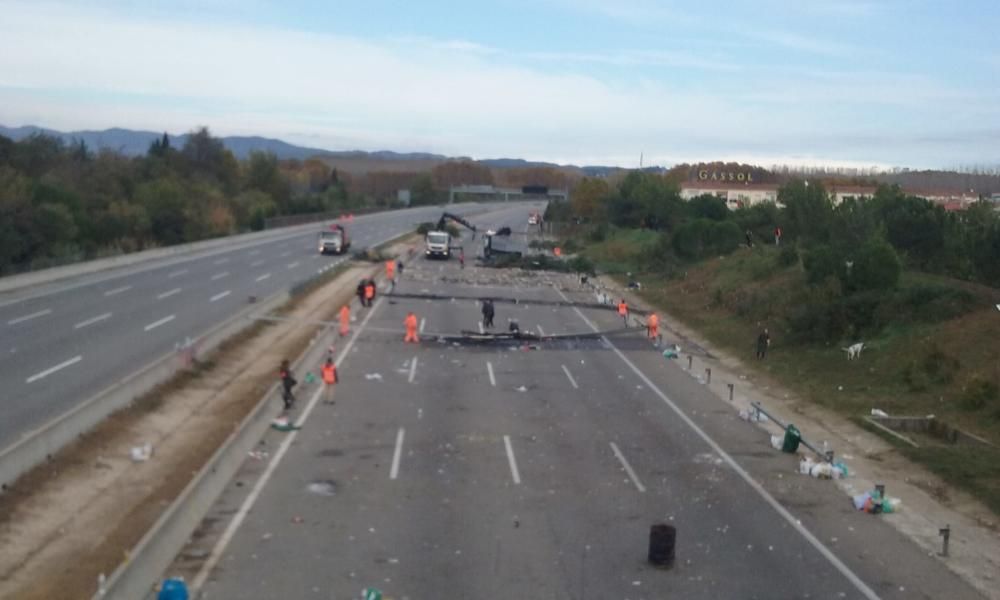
{"x":208,"y":156}
{"x":707,"y":206}
{"x":263,"y":174}
{"x":589,"y":197}
{"x":422,"y":191}
{"x":808,"y":208}
{"x":460,"y":172}
{"x":876,"y":267}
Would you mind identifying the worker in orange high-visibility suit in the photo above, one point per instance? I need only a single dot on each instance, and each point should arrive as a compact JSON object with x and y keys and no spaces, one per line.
{"x":653,"y":327}
{"x":411,"y":328}
{"x":623,"y":311}
{"x":369,"y":293}
{"x":345,"y":320}
{"x":390,"y":274}
{"x":329,"y":373}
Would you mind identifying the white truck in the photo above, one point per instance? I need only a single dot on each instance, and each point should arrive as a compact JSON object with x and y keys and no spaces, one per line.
{"x":335,"y":241}
{"x":437,"y":244}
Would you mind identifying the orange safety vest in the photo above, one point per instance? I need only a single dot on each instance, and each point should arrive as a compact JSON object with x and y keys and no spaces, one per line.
{"x":369,"y":291}
{"x":390,"y":268}
{"x":345,"y":314}
{"x":622,"y":308}
{"x":329,"y":373}
{"x":653,"y":322}
{"x":411,"y":322}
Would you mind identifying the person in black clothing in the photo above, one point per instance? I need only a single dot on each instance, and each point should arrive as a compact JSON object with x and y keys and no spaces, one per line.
{"x":749,"y":235}
{"x":488,"y":313}
{"x":287,"y":383}
{"x":763,"y":342}
{"x":361,"y":292}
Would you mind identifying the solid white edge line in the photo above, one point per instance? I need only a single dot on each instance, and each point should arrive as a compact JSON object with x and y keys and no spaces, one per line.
{"x":293,"y":265}
{"x":413,"y":369}
{"x":628,"y":468}
{"x":570,"y":376}
{"x":258,"y":487}
{"x":540,"y":330}
{"x":168,"y":294}
{"x":513,"y":462}
{"x":394,"y":470}
{"x":156,"y":324}
{"x":52,"y":370}
{"x":489,"y":368}
{"x":220,"y":296}
{"x":96,"y":319}
{"x":757,"y":487}
{"x":263,"y":277}
{"x":35,"y":315}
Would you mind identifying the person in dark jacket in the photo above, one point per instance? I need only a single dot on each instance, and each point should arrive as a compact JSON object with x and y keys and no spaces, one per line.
{"x":287,"y":383}
{"x":763,"y":342}
{"x":488,"y":313}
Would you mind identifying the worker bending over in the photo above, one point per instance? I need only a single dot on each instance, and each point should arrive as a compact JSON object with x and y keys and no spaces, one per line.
{"x":411,"y":328}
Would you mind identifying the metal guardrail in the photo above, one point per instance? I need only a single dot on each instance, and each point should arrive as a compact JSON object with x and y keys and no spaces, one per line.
{"x":826,"y":456}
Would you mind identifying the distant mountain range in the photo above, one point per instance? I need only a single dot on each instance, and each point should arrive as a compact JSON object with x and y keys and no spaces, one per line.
{"x":131,"y":142}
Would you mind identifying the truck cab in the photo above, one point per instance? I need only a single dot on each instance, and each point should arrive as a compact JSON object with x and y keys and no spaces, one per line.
{"x":438,"y":244}
{"x":334,"y":241}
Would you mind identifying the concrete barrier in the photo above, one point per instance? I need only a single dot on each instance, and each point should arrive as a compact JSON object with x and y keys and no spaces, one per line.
{"x":223,"y":244}
{"x":37,"y":446}
{"x":34,"y":278}
{"x":156,"y":551}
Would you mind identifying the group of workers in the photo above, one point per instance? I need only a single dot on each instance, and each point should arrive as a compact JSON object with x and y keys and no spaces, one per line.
{"x":366,"y":294}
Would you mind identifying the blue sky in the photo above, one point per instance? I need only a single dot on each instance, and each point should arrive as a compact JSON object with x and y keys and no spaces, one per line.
{"x":857,"y":82}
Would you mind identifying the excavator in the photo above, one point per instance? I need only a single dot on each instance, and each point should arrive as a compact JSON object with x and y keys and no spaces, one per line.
{"x":437,"y":244}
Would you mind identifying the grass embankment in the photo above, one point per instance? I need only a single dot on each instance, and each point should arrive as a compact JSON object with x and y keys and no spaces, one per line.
{"x":932,"y":346}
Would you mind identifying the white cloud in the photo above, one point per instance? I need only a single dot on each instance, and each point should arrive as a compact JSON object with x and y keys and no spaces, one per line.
{"x":95,"y":68}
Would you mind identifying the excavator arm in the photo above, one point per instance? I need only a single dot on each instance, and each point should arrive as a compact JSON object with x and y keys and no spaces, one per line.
{"x":446,"y":216}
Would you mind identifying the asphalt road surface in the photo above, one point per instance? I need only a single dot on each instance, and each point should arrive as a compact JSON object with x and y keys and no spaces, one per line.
{"x":506,"y":471}
{"x":63,"y":342}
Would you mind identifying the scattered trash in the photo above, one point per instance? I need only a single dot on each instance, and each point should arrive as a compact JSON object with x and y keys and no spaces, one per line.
{"x":672,"y":351}
{"x":141,"y":453}
{"x":323,"y":488}
{"x":267,"y":536}
{"x":283,"y":424}
{"x":257,"y":454}
{"x":879,"y":413}
{"x":873,"y":503}
{"x":521,"y":389}
{"x":310,"y":378}
{"x":298,"y":520}
{"x":371,"y":594}
{"x":776,"y":442}
{"x":375,"y":376}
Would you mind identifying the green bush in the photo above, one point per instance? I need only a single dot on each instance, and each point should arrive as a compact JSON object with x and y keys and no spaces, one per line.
{"x":599,"y":233}
{"x":978,"y":394}
{"x":935,"y":368}
{"x":876,"y":267}
{"x":701,"y":237}
{"x":788,"y":256}
{"x":581,"y":264}
{"x":821,"y":263}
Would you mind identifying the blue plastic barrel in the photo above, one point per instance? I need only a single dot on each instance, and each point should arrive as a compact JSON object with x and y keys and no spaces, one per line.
{"x":173,"y":589}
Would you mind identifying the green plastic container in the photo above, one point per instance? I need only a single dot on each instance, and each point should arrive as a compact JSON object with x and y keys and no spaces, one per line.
{"x":792,"y":439}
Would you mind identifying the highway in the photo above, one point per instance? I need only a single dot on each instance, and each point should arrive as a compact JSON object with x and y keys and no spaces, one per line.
{"x":63,"y":342}
{"x":505,"y":471}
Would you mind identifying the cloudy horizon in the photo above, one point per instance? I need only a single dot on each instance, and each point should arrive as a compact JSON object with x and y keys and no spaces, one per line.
{"x":879,"y":83}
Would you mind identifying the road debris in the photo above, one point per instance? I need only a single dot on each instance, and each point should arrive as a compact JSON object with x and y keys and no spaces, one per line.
{"x":141,"y":453}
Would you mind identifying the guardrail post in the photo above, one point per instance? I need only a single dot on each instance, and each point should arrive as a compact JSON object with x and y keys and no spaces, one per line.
{"x":690,"y":358}
{"x":730,"y":391}
{"x":945,"y":534}
{"x":708,"y":375}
